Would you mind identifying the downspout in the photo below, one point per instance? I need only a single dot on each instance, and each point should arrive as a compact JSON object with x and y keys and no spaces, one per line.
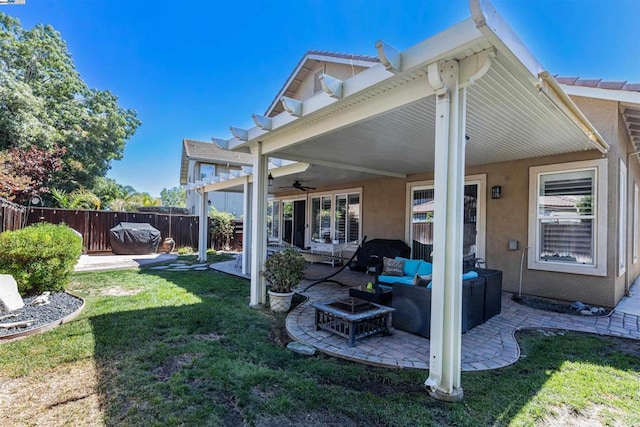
{"x":549,"y":87}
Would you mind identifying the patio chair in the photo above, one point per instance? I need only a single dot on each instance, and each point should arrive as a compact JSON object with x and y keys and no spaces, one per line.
{"x":329,"y":278}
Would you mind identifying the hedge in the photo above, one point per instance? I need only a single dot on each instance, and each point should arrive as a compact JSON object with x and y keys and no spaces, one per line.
{"x":40,"y":257}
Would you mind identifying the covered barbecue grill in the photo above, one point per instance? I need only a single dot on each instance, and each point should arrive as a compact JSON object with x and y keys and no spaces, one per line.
{"x":130,"y":238}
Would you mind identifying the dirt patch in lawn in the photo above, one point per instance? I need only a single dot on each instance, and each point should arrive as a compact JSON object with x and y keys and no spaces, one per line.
{"x":119,"y":291}
{"x":65,"y":395}
{"x":173,"y":365}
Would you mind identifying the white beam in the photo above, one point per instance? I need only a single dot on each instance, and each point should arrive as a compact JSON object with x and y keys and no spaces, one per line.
{"x":246,"y":227}
{"x":203,"y":222}
{"x":258,"y":226}
{"x":389,"y":100}
{"x":349,"y":167}
{"x":446,"y":296}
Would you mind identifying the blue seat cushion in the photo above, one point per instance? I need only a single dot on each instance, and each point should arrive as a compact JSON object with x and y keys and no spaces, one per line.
{"x":469,"y":275}
{"x":407,"y":280}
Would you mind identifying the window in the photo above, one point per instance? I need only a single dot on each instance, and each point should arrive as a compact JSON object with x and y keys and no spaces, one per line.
{"x":567,"y":219}
{"x":207,"y":171}
{"x":273,"y":219}
{"x":335,"y":218}
{"x":622,"y":220}
{"x":421,"y":218}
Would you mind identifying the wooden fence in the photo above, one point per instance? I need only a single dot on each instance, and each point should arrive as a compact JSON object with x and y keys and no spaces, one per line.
{"x":11,"y":215}
{"x":95,"y":225}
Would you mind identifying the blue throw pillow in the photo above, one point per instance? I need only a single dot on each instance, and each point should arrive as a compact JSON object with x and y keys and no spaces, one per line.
{"x":410,"y":266}
{"x":425,"y":268}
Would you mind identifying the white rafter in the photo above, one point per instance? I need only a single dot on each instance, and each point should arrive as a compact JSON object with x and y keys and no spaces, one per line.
{"x":222,"y":143}
{"x":331,"y":85}
{"x":263,"y":122}
{"x":292,"y":106}
{"x":241,"y":134}
{"x":389,"y":56}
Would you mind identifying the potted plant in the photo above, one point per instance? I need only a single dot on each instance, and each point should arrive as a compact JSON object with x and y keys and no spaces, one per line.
{"x":283,"y":271}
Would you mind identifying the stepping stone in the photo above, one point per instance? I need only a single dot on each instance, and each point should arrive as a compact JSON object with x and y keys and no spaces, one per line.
{"x":180,"y":264}
{"x":298,"y":347}
{"x":10,"y":299}
{"x":199,"y":265}
{"x":201,"y":269}
{"x":160,"y":267}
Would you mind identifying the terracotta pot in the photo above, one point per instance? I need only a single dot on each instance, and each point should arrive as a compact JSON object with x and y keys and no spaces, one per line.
{"x":280,"y":302}
{"x":168,"y":245}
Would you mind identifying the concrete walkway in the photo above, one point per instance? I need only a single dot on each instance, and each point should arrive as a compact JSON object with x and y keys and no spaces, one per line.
{"x":488,"y":346}
{"x":117,"y":262}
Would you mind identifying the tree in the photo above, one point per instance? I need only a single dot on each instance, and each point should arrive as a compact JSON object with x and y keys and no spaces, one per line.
{"x":43,"y":102}
{"x":175,"y":197}
{"x":77,"y":199}
{"x":26,"y":173}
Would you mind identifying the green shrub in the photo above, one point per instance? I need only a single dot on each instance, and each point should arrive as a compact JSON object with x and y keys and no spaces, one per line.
{"x":211,"y":251}
{"x":40,"y":257}
{"x":186,"y":250}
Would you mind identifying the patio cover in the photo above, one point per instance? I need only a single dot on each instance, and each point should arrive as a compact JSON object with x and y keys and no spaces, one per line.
{"x":470,"y":95}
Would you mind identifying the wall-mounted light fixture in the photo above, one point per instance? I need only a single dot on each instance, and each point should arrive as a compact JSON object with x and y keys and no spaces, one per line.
{"x":270,"y":179}
{"x":496,"y":192}
{"x":209,"y":202}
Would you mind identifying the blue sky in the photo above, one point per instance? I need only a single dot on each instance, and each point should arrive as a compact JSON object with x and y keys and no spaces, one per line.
{"x":193,"y":68}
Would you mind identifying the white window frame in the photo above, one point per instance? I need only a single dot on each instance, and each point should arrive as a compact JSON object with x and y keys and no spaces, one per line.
{"x":600,"y":235}
{"x":622,"y":219}
{"x":333,"y":194}
{"x":481,"y":221}
{"x":307,"y":198}
{"x":636,"y":212}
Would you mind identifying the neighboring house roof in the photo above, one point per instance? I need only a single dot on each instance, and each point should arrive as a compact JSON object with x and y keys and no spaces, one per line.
{"x":629,"y":105}
{"x":307,"y":64}
{"x":209,"y":152}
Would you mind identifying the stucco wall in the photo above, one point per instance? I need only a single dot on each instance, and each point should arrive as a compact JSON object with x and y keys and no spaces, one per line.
{"x":339,"y":71}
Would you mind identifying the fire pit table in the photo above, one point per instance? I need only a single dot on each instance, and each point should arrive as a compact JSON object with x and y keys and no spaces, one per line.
{"x":352,"y":318}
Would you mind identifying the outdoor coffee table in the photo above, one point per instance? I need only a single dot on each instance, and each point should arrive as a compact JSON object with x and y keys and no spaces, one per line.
{"x":352,"y":318}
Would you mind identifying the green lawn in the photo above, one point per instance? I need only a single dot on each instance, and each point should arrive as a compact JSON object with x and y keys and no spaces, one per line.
{"x":184,"y":348}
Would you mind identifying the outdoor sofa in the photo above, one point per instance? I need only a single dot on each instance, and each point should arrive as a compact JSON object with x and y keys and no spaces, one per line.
{"x":411,"y":296}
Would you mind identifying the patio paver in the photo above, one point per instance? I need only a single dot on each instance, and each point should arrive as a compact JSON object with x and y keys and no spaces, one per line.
{"x":488,"y":346}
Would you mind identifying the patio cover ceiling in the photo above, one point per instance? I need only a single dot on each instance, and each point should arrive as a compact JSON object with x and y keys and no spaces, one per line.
{"x":384,"y":125}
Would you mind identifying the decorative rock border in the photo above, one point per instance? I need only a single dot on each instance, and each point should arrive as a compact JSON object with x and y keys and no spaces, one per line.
{"x":46,"y":327}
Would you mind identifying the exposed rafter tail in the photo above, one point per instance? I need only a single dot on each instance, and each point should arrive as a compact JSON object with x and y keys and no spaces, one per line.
{"x":389,"y":56}
{"x":331,"y":85}
{"x":263,"y":122}
{"x":292,"y":106}
{"x":222,"y":143}
{"x":241,"y":134}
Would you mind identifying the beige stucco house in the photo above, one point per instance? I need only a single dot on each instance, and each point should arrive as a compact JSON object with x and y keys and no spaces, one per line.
{"x":204,"y":162}
{"x":462,"y":145}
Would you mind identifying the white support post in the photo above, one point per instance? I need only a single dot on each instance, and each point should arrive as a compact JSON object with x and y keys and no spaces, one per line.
{"x":258,"y":226}
{"x":246,"y":225}
{"x":446,"y":300}
{"x":203,"y":212}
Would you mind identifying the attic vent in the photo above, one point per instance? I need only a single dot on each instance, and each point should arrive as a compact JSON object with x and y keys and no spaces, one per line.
{"x":317,"y":86}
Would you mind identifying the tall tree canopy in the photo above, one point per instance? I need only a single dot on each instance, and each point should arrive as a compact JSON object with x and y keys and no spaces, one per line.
{"x":175,"y":197}
{"x":44,"y":103}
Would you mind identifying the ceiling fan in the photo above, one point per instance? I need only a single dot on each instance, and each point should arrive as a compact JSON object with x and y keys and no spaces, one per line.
{"x":298,"y":186}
